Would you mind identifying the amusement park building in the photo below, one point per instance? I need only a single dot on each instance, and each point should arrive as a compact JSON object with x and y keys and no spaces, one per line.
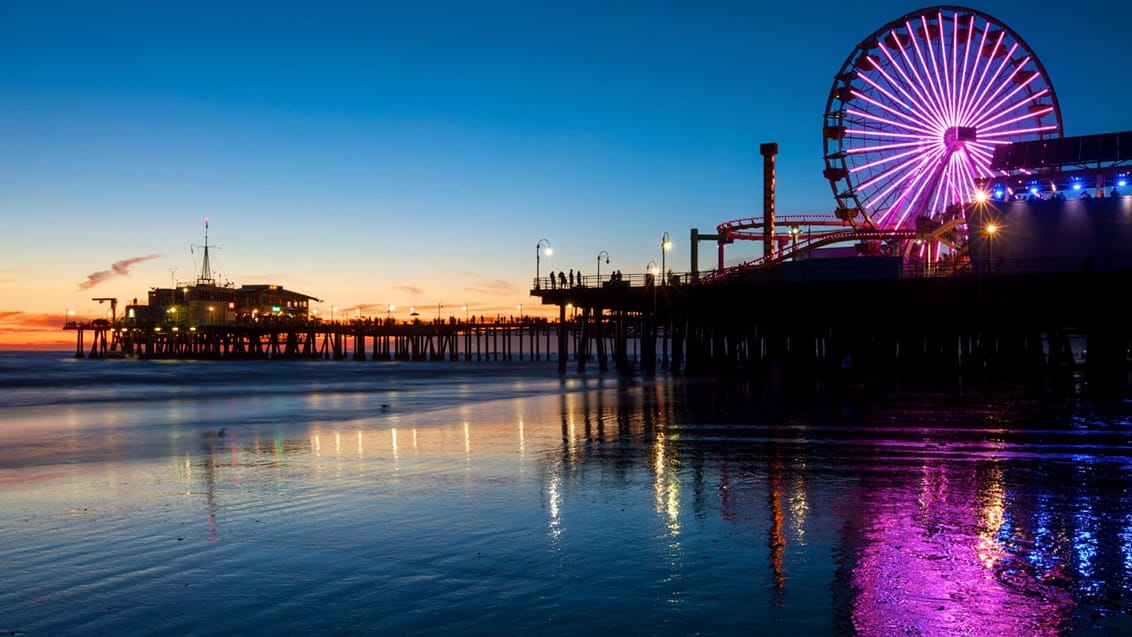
{"x":208,"y":304}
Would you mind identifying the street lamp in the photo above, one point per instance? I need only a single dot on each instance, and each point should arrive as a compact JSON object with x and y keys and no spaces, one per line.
{"x":333,"y":309}
{"x":465,"y":308}
{"x":665,"y":246}
{"x":651,"y":269}
{"x":990,"y":229}
{"x":538,"y":247}
{"x":519,"y":307}
{"x":599,"y":264}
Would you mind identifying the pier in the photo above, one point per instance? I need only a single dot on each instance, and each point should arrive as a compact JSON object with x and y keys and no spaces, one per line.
{"x":1001,"y":286}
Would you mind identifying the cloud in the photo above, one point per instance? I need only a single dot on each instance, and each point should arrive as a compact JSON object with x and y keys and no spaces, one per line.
{"x":410,"y":289}
{"x":120,"y":268}
{"x":497,"y":287}
{"x":371,"y":307}
{"x":14,"y":321}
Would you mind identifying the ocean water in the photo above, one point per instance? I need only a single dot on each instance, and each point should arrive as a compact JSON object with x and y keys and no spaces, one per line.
{"x":499,"y":498}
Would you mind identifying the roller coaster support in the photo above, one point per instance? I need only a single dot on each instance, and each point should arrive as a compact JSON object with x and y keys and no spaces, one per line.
{"x":720,"y":240}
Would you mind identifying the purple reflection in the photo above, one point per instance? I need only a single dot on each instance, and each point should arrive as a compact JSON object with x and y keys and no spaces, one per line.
{"x":941,"y":568}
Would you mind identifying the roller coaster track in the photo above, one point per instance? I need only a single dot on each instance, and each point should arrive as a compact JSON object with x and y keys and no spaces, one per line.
{"x":796,"y":241}
{"x":752,"y":228}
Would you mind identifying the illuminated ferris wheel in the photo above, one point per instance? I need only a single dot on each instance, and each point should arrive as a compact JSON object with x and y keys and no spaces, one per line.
{"x":917,"y":109}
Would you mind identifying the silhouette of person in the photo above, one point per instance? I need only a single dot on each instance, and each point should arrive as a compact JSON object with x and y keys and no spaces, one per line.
{"x":1114,"y":193}
{"x":562,"y":278}
{"x":1085,"y":195}
{"x":571,"y":277}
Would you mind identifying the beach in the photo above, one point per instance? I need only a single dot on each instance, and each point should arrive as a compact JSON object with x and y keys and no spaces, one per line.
{"x":268,"y":497}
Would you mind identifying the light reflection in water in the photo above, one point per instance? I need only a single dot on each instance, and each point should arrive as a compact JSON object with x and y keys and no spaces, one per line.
{"x":940,"y":568}
{"x":666,"y":488}
{"x":936,"y":546}
{"x":554,"y":504}
{"x":395,"y":448}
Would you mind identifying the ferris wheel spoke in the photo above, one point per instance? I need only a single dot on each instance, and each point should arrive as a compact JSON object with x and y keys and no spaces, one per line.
{"x":963,"y":81}
{"x":995,"y":80}
{"x":971,"y":84}
{"x":913,"y":104}
{"x":931,"y":88}
{"x":985,"y":130}
{"x":980,"y":155}
{"x":1003,"y":108}
{"x":913,"y":192}
{"x":892,"y":111}
{"x":913,"y":165}
{"x":939,"y":64}
{"x":888,"y":122}
{"x":980,"y":85}
{"x":883,"y":147}
{"x":914,"y":81}
{"x":909,"y":110}
{"x":974,"y":168}
{"x":979,"y":111}
{"x":888,"y":159}
{"x":902,"y":65}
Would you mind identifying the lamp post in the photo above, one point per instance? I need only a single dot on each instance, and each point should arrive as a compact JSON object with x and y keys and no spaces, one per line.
{"x":990,"y":229}
{"x":665,"y":246}
{"x":599,"y":264}
{"x":389,"y":312}
{"x":438,"y":306}
{"x":538,"y":248}
{"x":652,"y":270}
{"x":465,"y":308}
{"x":519,"y":307}
{"x":333,"y":309}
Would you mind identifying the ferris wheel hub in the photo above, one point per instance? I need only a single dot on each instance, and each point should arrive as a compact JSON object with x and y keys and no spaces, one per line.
{"x":955,"y":136}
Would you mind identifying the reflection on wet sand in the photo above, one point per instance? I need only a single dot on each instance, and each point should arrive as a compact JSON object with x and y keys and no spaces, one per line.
{"x":898,"y":524}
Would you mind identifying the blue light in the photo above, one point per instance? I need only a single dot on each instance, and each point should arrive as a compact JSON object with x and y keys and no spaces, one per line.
{"x":1122,"y":182}
{"x":999,"y":194}
{"x":1076,"y":186}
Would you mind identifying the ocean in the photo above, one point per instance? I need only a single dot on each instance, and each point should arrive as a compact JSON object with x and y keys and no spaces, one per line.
{"x":500,"y":498}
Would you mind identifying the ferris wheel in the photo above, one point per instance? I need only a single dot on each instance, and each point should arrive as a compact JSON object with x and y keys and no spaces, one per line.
{"x":916,"y":111}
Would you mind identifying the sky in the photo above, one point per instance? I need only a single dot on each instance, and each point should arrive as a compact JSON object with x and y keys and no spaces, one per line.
{"x":415,"y":153}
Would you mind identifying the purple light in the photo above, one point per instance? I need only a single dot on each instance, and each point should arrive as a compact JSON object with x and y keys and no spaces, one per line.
{"x":930,"y":106}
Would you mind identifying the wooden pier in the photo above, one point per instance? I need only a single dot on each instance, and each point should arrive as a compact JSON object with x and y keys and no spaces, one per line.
{"x":792,"y":320}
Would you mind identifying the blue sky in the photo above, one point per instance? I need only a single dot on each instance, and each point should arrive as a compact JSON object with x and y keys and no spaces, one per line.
{"x":415,"y":152}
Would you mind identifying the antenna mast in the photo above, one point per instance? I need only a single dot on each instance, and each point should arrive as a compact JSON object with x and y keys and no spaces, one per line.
{"x":206,"y":269}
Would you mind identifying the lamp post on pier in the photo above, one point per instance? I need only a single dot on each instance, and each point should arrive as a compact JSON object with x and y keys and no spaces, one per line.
{"x":538,"y":248}
{"x":599,"y":264}
{"x":665,"y":246}
{"x":990,"y":230}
